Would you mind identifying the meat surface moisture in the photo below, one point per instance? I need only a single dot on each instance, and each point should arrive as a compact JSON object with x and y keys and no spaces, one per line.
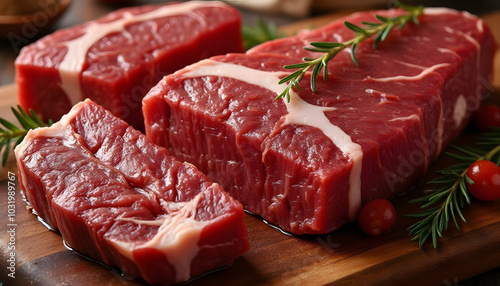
{"x":370,"y":131}
{"x":119,"y":199}
{"x":116,"y":59}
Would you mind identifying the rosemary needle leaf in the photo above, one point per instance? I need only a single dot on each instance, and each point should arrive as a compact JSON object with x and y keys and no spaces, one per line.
{"x":459,"y":212}
{"x":377,"y":39}
{"x":439,"y":227}
{"x":19,"y":140}
{"x":316,"y":50}
{"x":326,"y":45}
{"x":370,"y":24}
{"x":3,"y":143}
{"x":443,"y":180}
{"x":324,"y":62}
{"x":471,"y":151}
{"x":296,"y":66}
{"x":453,"y":206}
{"x":285,"y":94}
{"x":258,"y":34}
{"x":308,"y":60}
{"x":11,"y":135}
{"x":330,"y":49}
{"x":36,"y":118}
{"x":314,"y":74}
{"x":424,"y":213}
{"x":8,"y":125}
{"x":465,"y":193}
{"x":386,"y":31}
{"x":381,"y":18}
{"x":436,"y":197}
{"x":424,"y":237}
{"x":415,"y":20}
{"x":291,"y":76}
{"x":449,"y":173}
{"x":6,"y":152}
{"x":468,"y":180}
{"x":355,"y":28}
{"x":460,"y":157}
{"x":21,"y":116}
{"x":446,"y":217}
{"x":424,"y":224}
{"x":353,"y":54}
{"x":421,"y":199}
{"x":458,"y":166}
{"x":402,"y":25}
{"x":434,"y":238}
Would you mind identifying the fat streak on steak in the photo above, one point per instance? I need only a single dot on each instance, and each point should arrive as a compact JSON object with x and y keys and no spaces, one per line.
{"x":119,"y":199}
{"x":116,"y":59}
{"x":370,"y":131}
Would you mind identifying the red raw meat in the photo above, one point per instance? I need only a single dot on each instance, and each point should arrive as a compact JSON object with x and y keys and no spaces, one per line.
{"x":117,"y":198}
{"x":116,"y":59}
{"x":370,"y":131}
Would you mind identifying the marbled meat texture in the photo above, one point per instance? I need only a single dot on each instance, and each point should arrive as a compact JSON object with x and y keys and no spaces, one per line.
{"x":116,"y":59}
{"x":119,"y":199}
{"x":370,"y":131}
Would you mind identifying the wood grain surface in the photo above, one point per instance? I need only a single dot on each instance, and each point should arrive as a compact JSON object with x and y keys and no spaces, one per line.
{"x":343,"y":257}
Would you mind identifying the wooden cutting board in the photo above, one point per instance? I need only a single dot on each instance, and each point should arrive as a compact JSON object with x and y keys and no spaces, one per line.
{"x":344,"y":257}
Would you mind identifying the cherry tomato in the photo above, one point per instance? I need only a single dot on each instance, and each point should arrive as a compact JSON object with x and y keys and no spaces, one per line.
{"x":488,"y":116}
{"x":486,"y":178}
{"x":377,"y":217}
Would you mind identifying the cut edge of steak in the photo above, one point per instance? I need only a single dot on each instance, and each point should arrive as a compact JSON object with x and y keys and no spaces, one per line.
{"x":161,"y":220}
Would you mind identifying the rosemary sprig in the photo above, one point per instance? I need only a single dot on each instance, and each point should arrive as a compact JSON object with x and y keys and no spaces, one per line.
{"x":260,"y":33}
{"x":10,"y":133}
{"x":379,"y":29}
{"x":446,"y":201}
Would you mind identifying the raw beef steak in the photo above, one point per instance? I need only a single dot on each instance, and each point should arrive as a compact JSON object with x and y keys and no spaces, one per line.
{"x":370,"y":131}
{"x":117,"y":198}
{"x":115,"y":60}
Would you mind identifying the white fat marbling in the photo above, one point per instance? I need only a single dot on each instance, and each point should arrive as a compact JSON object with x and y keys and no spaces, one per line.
{"x":177,"y":237}
{"x":439,"y":11}
{"x":443,"y":50}
{"x":70,"y":68}
{"x":419,"y":76}
{"x":460,"y":110}
{"x":299,"y":112}
{"x":58,"y":129}
{"x":413,"y":117}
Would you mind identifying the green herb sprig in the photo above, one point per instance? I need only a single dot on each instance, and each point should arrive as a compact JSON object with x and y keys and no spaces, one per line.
{"x":330,"y":49}
{"x":260,"y":33}
{"x":446,"y":202}
{"x":10,"y":133}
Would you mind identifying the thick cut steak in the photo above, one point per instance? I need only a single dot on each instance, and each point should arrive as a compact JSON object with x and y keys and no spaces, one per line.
{"x":116,"y":59}
{"x":370,"y":131}
{"x":118,"y":198}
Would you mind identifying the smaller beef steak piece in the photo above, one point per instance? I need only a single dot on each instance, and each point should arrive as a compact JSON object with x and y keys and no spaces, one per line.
{"x":116,"y":59}
{"x":117,"y":198}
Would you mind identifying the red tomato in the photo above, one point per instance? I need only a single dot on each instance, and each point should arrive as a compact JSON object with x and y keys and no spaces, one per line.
{"x":488,"y":116}
{"x":486,"y":178}
{"x":377,"y":217}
